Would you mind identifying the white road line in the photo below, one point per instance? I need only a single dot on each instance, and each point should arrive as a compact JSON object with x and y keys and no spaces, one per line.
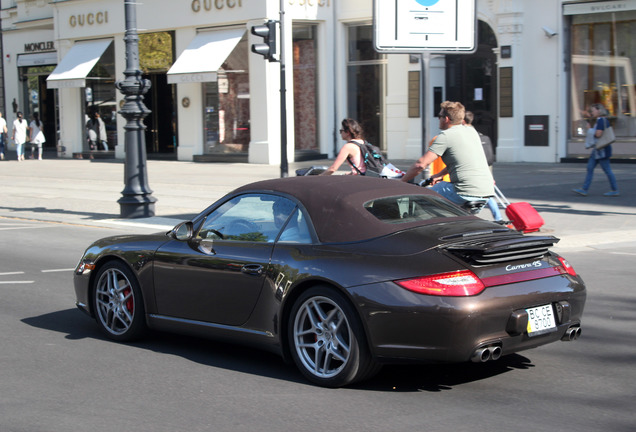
{"x":16,"y":282}
{"x":21,"y":227}
{"x":58,"y":270}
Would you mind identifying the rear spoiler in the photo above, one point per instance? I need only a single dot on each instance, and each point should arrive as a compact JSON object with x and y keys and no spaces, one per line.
{"x":495,"y":250}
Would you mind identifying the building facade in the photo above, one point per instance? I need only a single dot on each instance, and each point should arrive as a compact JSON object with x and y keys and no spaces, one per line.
{"x":536,"y":67}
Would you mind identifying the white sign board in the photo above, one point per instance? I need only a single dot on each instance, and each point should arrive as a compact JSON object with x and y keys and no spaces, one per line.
{"x":409,"y":26}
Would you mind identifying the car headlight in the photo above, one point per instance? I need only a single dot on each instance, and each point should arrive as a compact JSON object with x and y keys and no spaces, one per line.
{"x":84,"y":267}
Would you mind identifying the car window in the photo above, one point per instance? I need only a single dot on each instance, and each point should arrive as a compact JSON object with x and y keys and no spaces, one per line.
{"x":254,"y":217}
{"x":296,"y":230}
{"x":411,"y":208}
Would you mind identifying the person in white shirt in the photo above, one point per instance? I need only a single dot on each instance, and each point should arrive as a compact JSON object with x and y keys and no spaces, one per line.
{"x":19,"y":135}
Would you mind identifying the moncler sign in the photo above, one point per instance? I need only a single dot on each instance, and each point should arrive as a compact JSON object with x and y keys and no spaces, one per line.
{"x":39,"y":46}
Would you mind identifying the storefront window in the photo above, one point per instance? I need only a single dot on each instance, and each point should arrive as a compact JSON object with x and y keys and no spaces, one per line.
{"x":305,"y":88}
{"x":100,"y":98}
{"x":365,"y":84}
{"x":603,"y":64}
{"x":227,"y":105}
{"x":39,"y":100}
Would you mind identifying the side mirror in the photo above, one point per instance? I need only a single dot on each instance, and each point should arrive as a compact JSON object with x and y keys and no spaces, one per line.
{"x":182,"y":232}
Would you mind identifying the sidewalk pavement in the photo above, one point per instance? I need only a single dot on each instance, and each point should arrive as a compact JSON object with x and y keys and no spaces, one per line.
{"x":85,"y":192}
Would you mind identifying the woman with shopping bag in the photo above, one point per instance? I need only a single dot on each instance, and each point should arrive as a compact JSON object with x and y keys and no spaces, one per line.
{"x":599,"y":138}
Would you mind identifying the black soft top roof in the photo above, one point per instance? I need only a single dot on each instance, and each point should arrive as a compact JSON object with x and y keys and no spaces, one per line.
{"x":336,"y":203}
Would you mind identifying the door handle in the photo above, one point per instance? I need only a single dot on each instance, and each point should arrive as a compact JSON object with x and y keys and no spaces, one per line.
{"x":252,"y":269}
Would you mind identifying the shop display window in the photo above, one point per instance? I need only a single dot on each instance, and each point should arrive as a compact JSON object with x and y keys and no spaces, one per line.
{"x":100,"y":97}
{"x":227,"y":105}
{"x":305,"y":88}
{"x":603,"y":57}
{"x":38,"y":99}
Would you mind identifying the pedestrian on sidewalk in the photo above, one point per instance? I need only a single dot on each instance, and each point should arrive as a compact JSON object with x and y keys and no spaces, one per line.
{"x":19,"y":134}
{"x":3,"y":135}
{"x":96,"y":132}
{"x":598,"y":156}
{"x":36,"y":135}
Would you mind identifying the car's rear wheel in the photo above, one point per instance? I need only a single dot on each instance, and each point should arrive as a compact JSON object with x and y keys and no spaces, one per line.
{"x":327,"y":340}
{"x":118,"y":305}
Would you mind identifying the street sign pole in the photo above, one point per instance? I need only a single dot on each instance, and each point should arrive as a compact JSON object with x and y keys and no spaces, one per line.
{"x":425,"y":60}
{"x":284,"y":168}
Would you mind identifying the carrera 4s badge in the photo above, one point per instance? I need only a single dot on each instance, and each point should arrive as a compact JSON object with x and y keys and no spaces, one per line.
{"x":534,"y":264}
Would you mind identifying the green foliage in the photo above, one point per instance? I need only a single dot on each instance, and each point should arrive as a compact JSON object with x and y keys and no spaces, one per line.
{"x":155,"y":51}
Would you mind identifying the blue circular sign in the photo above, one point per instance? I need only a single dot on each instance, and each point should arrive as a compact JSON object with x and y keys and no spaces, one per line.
{"x":427,"y":2}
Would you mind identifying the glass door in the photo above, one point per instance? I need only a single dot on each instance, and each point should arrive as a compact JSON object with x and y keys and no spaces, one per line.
{"x":366,"y":71}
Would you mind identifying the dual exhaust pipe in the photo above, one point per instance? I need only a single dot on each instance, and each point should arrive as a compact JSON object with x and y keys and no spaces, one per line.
{"x":493,"y":352}
{"x":484,"y":354}
{"x":573,"y":333}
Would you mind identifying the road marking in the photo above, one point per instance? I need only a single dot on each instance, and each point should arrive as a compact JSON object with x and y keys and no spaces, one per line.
{"x":58,"y":270}
{"x":16,"y":282}
{"x":20,"y":227}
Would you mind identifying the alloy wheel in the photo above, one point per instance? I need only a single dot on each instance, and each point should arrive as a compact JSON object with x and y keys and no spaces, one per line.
{"x":322,"y":337}
{"x":115,"y":301}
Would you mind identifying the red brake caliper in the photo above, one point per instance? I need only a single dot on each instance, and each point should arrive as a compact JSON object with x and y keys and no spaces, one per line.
{"x":130,"y":304}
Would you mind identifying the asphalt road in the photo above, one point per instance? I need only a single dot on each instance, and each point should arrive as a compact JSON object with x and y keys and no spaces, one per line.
{"x":59,"y":374}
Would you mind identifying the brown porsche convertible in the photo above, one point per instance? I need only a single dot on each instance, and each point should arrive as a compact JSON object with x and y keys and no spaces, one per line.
{"x":339,"y":274}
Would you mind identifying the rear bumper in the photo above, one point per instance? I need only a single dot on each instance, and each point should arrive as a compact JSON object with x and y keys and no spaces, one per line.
{"x":421,"y":328}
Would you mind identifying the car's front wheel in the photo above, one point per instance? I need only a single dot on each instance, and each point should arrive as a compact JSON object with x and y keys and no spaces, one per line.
{"x":118,"y":305}
{"x":327,"y":340}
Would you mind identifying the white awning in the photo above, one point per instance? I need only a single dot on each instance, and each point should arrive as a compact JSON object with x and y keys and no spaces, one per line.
{"x":204,"y":56}
{"x":77,"y":64}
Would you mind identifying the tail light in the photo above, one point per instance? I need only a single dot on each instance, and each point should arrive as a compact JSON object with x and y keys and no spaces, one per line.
{"x":567,"y":267}
{"x":454,"y":284}
{"x":465,"y":283}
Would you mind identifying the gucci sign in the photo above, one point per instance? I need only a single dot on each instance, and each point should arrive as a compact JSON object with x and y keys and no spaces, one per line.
{"x":91,"y":18}
{"x":208,"y":5}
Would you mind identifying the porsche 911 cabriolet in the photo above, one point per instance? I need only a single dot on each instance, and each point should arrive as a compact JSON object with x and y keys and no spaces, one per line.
{"x":339,"y":274}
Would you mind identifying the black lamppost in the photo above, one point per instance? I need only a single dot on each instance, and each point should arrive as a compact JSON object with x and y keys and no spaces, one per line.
{"x":137,"y":200}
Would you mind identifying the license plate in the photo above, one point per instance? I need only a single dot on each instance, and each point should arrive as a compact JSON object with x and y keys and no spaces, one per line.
{"x":540,"y":320}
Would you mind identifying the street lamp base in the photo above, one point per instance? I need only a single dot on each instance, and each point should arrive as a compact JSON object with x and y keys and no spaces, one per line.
{"x":137,"y":207}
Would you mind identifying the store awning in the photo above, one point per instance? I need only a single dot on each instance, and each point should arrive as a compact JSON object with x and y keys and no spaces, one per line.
{"x":204,"y":56}
{"x":77,"y":64}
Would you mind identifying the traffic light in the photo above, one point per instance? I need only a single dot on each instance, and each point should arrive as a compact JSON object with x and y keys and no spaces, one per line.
{"x":268,"y":32}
